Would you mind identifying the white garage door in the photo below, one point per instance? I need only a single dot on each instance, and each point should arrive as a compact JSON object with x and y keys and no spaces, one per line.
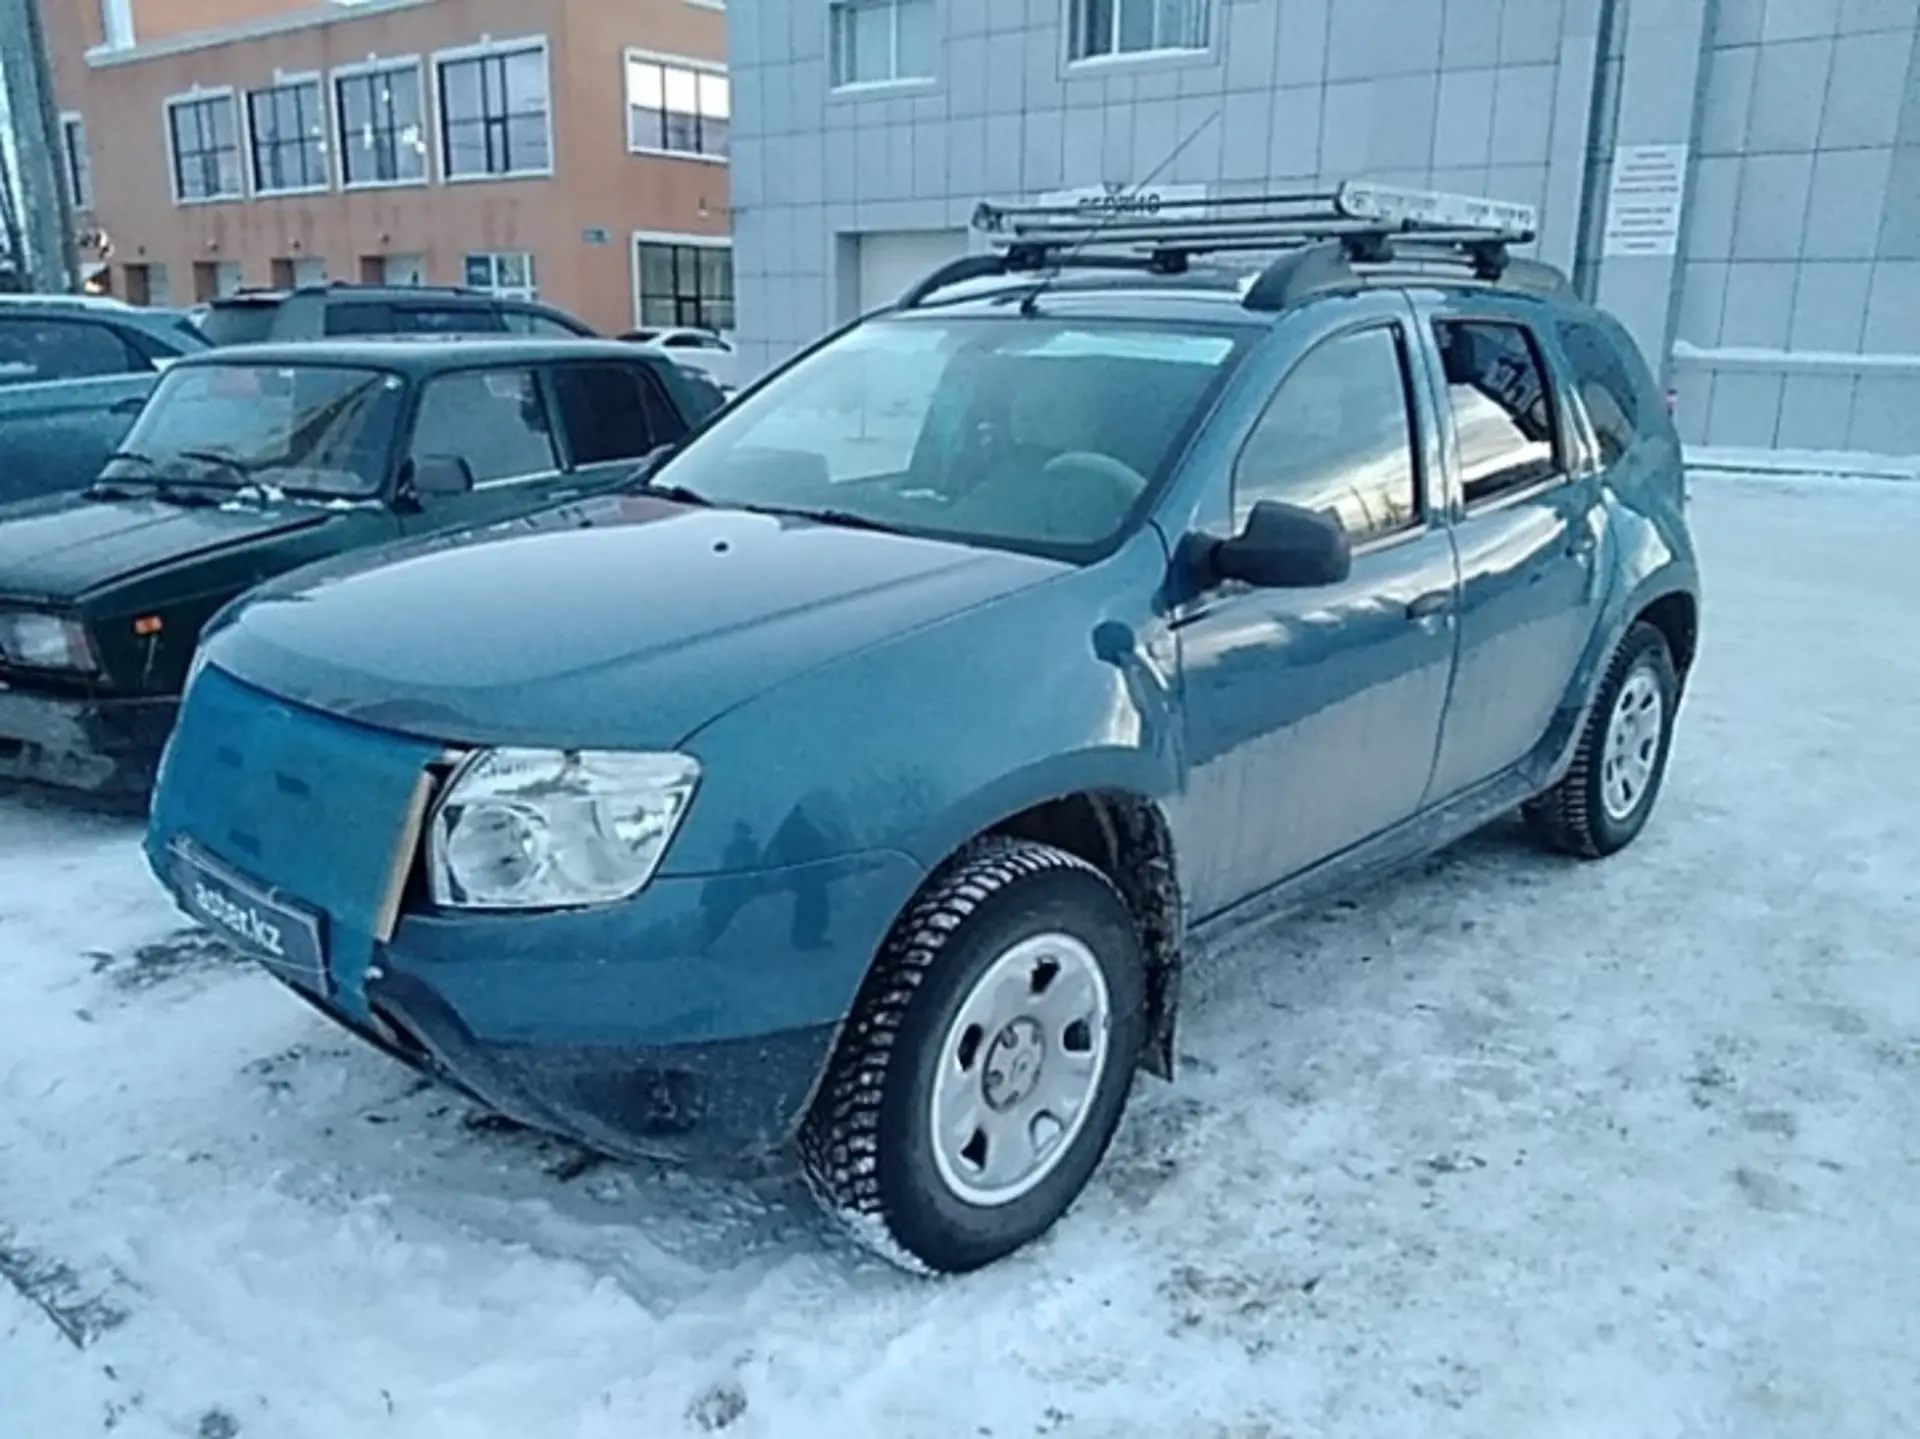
{"x":891,"y":263}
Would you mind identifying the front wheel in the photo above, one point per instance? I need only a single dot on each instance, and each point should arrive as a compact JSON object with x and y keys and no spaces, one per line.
{"x":1609,"y":792}
{"x":987,"y":1061}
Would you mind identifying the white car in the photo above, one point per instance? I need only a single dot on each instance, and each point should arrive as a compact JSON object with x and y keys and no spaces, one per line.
{"x":696,"y":350}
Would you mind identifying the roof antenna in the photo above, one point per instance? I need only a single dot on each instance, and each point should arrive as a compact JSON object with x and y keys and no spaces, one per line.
{"x":1029,"y":303}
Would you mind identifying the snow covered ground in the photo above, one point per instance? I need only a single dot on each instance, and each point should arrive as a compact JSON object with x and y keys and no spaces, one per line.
{"x":1506,"y":1147}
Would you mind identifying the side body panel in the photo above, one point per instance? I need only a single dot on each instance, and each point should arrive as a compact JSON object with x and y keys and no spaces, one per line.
{"x":57,"y":436}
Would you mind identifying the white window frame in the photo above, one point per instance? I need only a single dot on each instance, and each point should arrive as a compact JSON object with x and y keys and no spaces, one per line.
{"x":75,"y":161}
{"x":241,"y":138}
{"x":429,"y":120}
{"x":257,"y":182}
{"x":485,"y":48}
{"x":1117,"y":56}
{"x":681,"y":62}
{"x":898,"y":81}
{"x":529,"y":292}
{"x":670,"y":237}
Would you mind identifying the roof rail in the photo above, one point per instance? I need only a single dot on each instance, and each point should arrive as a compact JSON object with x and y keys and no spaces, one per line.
{"x":1326,"y":239}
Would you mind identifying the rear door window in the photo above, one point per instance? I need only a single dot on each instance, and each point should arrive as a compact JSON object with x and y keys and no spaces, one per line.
{"x":495,"y":420}
{"x":613,"y":412}
{"x":34,"y":350}
{"x":1503,"y":414}
{"x":448,"y":320}
{"x":360,"y":318}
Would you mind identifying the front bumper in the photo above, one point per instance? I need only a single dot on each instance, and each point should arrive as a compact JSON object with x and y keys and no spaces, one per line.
{"x":108,"y":748}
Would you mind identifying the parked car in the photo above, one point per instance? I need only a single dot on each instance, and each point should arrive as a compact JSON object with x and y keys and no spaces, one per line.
{"x":249,"y":463}
{"x":74,"y":372}
{"x":868,"y":782}
{"x":339,"y":310}
{"x":697,"y":349}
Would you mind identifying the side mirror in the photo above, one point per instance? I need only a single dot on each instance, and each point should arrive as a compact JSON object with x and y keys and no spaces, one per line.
{"x":1284,"y":547}
{"x":440,"y":477}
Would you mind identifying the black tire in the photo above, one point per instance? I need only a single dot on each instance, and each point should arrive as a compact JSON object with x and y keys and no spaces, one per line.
{"x":1573,"y":816}
{"x":867,"y":1145}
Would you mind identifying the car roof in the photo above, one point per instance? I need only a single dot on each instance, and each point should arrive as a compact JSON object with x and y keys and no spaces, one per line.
{"x":349,"y":293}
{"x":421,"y":355}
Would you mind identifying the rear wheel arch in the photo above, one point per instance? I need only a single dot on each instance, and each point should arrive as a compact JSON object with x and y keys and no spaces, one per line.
{"x":1677,"y":616}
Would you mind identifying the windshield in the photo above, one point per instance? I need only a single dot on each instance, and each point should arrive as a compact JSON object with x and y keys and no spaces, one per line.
{"x":314,"y":430}
{"x":1031,"y":434}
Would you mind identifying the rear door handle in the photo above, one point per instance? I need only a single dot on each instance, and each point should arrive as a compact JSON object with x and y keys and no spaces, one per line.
{"x":1430,"y":606}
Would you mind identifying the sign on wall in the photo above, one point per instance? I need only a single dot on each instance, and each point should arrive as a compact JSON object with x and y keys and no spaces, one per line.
{"x":1644,"y":202}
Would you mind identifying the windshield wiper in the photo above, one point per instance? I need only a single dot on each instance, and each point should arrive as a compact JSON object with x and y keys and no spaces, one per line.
{"x":842,"y":519}
{"x":679,"y":494}
{"x":230,"y":463}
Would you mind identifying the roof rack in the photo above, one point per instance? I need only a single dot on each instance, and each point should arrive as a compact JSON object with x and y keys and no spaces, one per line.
{"x":1326,"y":240}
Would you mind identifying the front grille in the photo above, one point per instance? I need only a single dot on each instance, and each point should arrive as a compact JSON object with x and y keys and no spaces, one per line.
{"x":297,"y":801}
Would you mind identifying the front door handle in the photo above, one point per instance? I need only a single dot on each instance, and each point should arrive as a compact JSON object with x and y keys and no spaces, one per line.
{"x":1430,"y":606}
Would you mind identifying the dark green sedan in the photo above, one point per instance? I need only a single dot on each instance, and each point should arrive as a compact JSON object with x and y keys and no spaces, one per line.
{"x":245,"y":465}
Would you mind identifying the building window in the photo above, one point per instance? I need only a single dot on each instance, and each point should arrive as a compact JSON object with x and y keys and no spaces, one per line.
{"x":383,"y":139}
{"x":74,"y":164}
{"x":1104,"y":28}
{"x":494,"y":119}
{"x":677,"y":107}
{"x":508,"y":275}
{"x":289,"y":131}
{"x":882,"y":42}
{"x":686,"y":284}
{"x":116,"y":24}
{"x":205,"y":137}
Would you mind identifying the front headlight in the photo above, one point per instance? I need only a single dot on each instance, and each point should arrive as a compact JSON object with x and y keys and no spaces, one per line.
{"x":537,"y":829}
{"x":45,"y":642}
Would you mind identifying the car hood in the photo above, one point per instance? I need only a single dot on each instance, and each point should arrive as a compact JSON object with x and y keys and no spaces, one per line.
{"x":59,"y":549}
{"x":625,"y":622}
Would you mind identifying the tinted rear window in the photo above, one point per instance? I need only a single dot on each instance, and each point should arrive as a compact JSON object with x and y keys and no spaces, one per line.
{"x":239,"y":324}
{"x":1614,"y":395}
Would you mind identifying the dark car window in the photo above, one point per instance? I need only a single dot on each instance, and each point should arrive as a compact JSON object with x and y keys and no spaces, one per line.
{"x":242,"y":324}
{"x":35,"y":349}
{"x":612,"y":412}
{"x":1338,"y":438}
{"x":1606,"y":389}
{"x":363,"y":317}
{"x":1502,"y":408}
{"x":495,"y":420}
{"x":540,"y":323}
{"x":447,"y":320}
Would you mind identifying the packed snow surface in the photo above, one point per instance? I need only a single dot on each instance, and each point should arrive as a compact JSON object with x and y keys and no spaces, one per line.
{"x":1508,"y":1146}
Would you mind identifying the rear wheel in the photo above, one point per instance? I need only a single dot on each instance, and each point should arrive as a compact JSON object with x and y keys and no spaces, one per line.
{"x":1609,"y":793}
{"x":987,"y":1061}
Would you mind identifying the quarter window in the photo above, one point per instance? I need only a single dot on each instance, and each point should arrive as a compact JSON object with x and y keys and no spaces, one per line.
{"x":1103,"y":28}
{"x":680,"y":108}
{"x":382,"y":138}
{"x":688,"y":285}
{"x":204,"y":136}
{"x":879,"y":42}
{"x":289,"y":138}
{"x":493,"y":114}
{"x":1606,"y":389}
{"x":1502,"y":408}
{"x":1338,"y":439}
{"x":495,"y":420}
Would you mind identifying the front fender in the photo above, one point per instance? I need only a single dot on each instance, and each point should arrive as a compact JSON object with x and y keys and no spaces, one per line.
{"x":920,"y":743}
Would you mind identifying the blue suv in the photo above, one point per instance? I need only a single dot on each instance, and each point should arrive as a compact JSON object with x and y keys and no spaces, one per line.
{"x":861,"y":779}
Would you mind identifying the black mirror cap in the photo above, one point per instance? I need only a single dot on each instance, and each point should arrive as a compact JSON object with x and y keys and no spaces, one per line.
{"x":439,"y":476}
{"x":1284,"y":547}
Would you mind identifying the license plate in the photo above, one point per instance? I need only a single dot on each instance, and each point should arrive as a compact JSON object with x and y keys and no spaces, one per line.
{"x":285,"y":937}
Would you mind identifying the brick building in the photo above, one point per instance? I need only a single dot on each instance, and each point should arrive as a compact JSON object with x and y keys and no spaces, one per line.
{"x":576,"y":150}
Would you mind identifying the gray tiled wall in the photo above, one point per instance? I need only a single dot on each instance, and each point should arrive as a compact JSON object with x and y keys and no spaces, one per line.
{"x":1803,"y":231}
{"x":1804,"y":237}
{"x":1489,"y":96}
